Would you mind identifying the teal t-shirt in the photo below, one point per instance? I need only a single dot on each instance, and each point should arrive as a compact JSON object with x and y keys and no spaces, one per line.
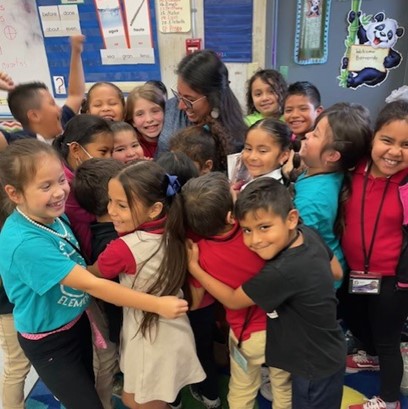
{"x":316,"y":198}
{"x":32,"y":264}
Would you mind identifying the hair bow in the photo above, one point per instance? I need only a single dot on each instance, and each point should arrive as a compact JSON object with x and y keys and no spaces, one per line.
{"x":174,"y":185}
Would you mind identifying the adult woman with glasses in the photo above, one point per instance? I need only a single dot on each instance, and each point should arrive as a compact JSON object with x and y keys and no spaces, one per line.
{"x":203,"y":96}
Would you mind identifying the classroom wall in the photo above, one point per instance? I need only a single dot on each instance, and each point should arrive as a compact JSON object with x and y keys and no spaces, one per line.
{"x":324,"y":76}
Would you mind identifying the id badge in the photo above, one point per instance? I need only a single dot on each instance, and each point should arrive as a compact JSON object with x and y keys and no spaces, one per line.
{"x":361,"y":283}
{"x":238,"y":356}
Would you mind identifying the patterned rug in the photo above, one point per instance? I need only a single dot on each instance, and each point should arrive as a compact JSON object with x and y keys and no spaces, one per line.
{"x":357,"y":385}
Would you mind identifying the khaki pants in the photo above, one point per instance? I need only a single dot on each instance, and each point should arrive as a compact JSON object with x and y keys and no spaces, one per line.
{"x":105,"y":361}
{"x":244,"y":385}
{"x":16,"y":365}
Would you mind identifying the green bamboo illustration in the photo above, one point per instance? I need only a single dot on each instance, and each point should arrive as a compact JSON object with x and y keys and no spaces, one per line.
{"x":350,"y":40}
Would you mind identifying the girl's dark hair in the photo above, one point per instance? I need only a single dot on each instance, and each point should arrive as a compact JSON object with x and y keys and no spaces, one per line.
{"x":147,"y":91}
{"x":204,"y":72}
{"x":276,"y":129}
{"x":276,"y":81}
{"x":178,"y":164}
{"x":198,"y":143}
{"x":120,"y":126}
{"x":85,"y":101}
{"x":83,"y":129}
{"x":159,"y":85}
{"x":351,"y":132}
{"x":207,"y":201}
{"x":394,"y":111}
{"x":147,"y":183}
{"x":264,"y":194}
{"x":18,"y":166}
{"x":305,"y":89}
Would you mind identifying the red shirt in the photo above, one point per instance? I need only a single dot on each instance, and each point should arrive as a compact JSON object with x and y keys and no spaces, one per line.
{"x":228,"y":260}
{"x":149,"y":147}
{"x":117,"y":257}
{"x":388,"y":235}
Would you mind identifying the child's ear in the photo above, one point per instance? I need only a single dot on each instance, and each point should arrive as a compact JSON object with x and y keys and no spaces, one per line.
{"x":333,"y":156}
{"x":155,"y":210}
{"x":14,"y":195}
{"x":284,"y":156}
{"x":207,"y":167}
{"x":292,"y":220}
{"x":33,"y":116}
{"x":230,"y":219}
{"x":319,"y":109}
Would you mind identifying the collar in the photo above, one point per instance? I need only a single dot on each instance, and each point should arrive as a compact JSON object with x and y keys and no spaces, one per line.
{"x":227,"y":236}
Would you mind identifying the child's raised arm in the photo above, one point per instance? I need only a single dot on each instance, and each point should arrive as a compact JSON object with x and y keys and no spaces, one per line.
{"x":76,"y":81}
{"x":6,"y":82}
{"x":230,"y":298}
{"x":166,"y":306}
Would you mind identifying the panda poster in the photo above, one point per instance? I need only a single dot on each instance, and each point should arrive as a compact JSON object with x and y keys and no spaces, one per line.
{"x":370,"y":48}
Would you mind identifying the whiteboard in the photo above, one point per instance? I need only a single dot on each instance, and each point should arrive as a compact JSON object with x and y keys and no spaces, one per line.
{"x":22,"y":51}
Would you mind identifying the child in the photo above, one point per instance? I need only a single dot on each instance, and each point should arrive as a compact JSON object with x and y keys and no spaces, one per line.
{"x":150,"y":256}
{"x":85,"y":137}
{"x":374,"y":242}
{"x":126,"y":146}
{"x":45,"y":278}
{"x":340,"y":139}
{"x":90,"y":186}
{"x":178,"y":164}
{"x":301,"y":108}
{"x":105,"y":99}
{"x":199,"y":144}
{"x":208,"y":207}
{"x":145,"y":112}
{"x":266,"y":149}
{"x":34,"y":107}
{"x":265,"y":95}
{"x":295,"y":288}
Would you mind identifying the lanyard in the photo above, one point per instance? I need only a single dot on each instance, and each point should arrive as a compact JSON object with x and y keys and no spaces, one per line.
{"x":367,"y":255}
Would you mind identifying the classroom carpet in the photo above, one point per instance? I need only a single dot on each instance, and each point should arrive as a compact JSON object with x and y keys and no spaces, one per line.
{"x":356,"y":386}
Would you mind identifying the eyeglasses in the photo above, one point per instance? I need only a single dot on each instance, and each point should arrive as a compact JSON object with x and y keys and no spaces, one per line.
{"x":189,"y":104}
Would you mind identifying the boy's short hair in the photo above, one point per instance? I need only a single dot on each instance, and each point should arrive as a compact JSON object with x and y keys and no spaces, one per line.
{"x":23,"y":98}
{"x":207,"y":201}
{"x":196,"y":142}
{"x":306,"y":89}
{"x":264,"y":194}
{"x":90,"y":185}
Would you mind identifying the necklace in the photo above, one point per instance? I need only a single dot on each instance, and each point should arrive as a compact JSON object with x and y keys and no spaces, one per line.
{"x":44,"y":227}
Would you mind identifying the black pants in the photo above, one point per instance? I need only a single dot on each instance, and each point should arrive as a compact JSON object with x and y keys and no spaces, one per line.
{"x":377,"y":321}
{"x":203,"y":324}
{"x":64,"y":362}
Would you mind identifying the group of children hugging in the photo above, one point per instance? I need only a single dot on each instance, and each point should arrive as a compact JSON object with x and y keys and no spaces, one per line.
{"x":120,"y":230}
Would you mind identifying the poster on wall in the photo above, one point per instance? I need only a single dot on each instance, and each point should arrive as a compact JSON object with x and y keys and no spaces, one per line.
{"x":312,"y":31}
{"x":370,"y":48}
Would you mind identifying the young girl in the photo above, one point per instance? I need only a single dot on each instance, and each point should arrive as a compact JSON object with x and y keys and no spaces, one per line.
{"x":85,"y":137}
{"x":126,"y":146}
{"x":340,"y":139}
{"x":150,"y":256}
{"x":105,"y":99}
{"x":265,"y":95}
{"x":266,"y":149}
{"x":145,"y":112}
{"x":45,"y":278}
{"x":374,"y":242}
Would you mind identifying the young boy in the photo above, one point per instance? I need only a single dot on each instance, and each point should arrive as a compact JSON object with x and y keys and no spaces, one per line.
{"x":34,"y":107}
{"x":301,"y":108}
{"x":90,"y":186}
{"x":296,"y":290}
{"x":208,"y":207}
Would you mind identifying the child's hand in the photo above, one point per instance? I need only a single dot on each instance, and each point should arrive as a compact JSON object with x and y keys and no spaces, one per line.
{"x":192,"y":254}
{"x":77,"y":43}
{"x":6,"y":82}
{"x":171,"y":307}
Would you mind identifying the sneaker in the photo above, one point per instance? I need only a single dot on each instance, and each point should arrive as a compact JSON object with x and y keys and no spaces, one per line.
{"x":208,"y":403}
{"x":373,"y":403}
{"x":265,"y":389}
{"x":361,"y":362}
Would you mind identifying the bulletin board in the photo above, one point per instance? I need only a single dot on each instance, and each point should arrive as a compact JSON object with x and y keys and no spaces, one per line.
{"x":121,"y":42}
{"x":228,"y":29}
